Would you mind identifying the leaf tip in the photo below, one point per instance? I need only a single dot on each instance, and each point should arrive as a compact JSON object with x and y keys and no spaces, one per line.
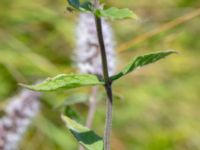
{"x":25,"y":86}
{"x":30,"y":87}
{"x":171,"y":51}
{"x":134,"y":16}
{"x":62,"y":117}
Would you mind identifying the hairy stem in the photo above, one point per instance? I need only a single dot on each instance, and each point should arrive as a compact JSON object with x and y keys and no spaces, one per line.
{"x":92,"y":109}
{"x":108,"y":124}
{"x":108,"y":83}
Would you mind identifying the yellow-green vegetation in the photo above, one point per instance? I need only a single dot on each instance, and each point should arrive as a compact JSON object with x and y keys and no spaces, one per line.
{"x":160,"y":105}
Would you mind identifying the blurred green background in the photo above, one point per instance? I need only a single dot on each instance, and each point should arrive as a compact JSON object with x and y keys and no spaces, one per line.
{"x":160,"y":105}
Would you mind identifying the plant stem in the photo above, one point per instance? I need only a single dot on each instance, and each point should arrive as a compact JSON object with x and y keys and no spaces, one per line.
{"x":108,"y":82}
{"x":92,"y":109}
{"x":108,"y":125}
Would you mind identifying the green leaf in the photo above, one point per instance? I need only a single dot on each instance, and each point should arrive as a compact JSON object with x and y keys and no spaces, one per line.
{"x":142,"y":61}
{"x":116,"y":13}
{"x":85,"y":136}
{"x":74,"y":3}
{"x":72,"y":113}
{"x":65,"y":81}
{"x":85,"y":6}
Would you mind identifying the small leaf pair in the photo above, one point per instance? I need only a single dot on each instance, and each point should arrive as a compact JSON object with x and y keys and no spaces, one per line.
{"x":112,"y":13}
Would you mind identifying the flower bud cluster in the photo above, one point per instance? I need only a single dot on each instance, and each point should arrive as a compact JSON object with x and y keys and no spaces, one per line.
{"x":18,"y":116}
{"x":87,"y":53}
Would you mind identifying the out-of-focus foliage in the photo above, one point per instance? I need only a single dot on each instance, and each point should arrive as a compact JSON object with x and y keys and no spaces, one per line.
{"x":161,"y":102}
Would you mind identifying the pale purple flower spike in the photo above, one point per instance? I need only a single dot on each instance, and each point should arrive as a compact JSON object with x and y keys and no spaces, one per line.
{"x":19,"y":113}
{"x":87,"y":53}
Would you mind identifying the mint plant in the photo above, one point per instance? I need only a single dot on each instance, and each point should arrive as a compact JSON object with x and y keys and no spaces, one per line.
{"x":86,"y":137}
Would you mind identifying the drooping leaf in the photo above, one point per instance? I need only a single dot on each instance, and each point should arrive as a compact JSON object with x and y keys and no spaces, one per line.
{"x":65,"y":81}
{"x":141,"y":61}
{"x":85,"y":6}
{"x":114,"y":13}
{"x":86,"y":137}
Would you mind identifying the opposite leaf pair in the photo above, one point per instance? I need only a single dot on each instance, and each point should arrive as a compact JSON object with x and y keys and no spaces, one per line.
{"x":85,"y":136}
{"x":68,"y":81}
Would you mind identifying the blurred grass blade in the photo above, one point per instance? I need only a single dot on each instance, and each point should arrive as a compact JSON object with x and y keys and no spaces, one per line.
{"x":20,"y":52}
{"x":141,"y":61}
{"x":65,"y":81}
{"x":167,"y":26}
{"x":52,"y":132}
{"x":85,"y":136}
